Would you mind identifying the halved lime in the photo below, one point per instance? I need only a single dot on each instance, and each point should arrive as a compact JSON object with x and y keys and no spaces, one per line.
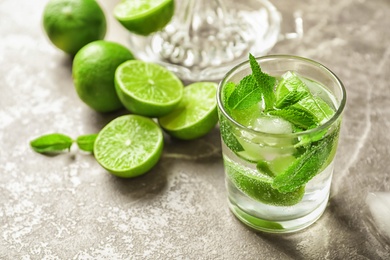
{"x":129,"y":145}
{"x":144,"y":16}
{"x":196,"y":114}
{"x":147,"y":89}
{"x":290,"y":90}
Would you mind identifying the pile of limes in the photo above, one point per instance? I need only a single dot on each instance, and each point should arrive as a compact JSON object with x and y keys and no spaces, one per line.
{"x":108,"y":77}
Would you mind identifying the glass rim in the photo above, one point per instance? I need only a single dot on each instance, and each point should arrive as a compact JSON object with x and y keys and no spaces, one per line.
{"x":324,"y":126}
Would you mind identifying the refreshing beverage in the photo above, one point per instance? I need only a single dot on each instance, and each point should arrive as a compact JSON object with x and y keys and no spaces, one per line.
{"x":280,"y":123}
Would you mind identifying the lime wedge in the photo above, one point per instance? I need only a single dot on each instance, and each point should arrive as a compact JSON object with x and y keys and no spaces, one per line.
{"x":259,"y":188}
{"x":129,"y":145}
{"x":195,"y":115}
{"x":255,"y":222}
{"x":144,"y":17}
{"x":147,"y":89}
{"x":290,"y":90}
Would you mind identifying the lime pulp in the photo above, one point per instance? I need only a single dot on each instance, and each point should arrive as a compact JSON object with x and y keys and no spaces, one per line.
{"x":129,"y":145}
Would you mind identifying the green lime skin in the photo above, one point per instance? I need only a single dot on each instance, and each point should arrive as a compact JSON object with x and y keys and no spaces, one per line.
{"x":147,"y":21}
{"x":71,"y":24}
{"x":93,"y":73}
{"x":196,"y":115}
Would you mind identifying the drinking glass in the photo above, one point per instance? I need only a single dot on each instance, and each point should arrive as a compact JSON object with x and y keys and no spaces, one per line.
{"x":251,"y":195}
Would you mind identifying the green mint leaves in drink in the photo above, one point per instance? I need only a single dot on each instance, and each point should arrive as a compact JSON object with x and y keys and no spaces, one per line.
{"x":265,"y":83}
{"x":260,"y":187}
{"x":251,"y":90}
{"x":245,"y":94}
{"x":305,"y":167}
{"x":289,"y":98}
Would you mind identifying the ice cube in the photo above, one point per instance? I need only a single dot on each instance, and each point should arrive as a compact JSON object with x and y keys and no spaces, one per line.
{"x":379,"y":206}
{"x":272,"y":124}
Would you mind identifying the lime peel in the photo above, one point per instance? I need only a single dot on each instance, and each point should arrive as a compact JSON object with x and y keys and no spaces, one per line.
{"x":144,"y":17}
{"x":196,"y":114}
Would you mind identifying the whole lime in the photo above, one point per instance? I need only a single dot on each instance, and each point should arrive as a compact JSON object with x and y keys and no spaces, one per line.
{"x":71,"y":24}
{"x":93,"y":73}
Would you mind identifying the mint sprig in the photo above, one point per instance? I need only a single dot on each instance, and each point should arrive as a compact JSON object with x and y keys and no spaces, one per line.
{"x":246,"y":94}
{"x":265,"y":83}
{"x":251,"y":90}
{"x":56,"y":143}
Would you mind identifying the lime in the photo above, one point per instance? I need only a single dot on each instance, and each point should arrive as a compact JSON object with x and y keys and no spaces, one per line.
{"x":144,"y":17}
{"x":195,"y":115}
{"x":129,"y":145}
{"x":290,"y":90}
{"x":147,"y":89}
{"x":94,"y":71}
{"x":71,"y":24}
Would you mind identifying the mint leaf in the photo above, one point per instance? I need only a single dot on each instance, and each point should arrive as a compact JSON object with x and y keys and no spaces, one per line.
{"x":298,"y":117}
{"x":226,"y":93}
{"x":228,"y":90}
{"x":228,"y":136}
{"x":86,"y":142}
{"x":265,"y":82}
{"x":307,"y":113}
{"x":250,"y":90}
{"x":304,"y":168}
{"x":260,"y":188}
{"x":51,"y":143}
{"x":246,"y":94}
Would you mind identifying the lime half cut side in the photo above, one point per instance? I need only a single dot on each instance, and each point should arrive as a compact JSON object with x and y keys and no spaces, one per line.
{"x":196,"y":115}
{"x":147,"y":89}
{"x":144,"y":17}
{"x":129,"y":145}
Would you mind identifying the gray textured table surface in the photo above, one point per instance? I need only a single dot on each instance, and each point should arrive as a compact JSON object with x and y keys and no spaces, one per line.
{"x":68,"y":207}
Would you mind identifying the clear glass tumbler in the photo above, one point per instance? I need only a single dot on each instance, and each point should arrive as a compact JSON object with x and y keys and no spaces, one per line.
{"x":251,"y":193}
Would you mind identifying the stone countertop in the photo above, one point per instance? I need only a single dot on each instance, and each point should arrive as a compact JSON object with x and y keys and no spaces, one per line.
{"x":68,"y":207}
